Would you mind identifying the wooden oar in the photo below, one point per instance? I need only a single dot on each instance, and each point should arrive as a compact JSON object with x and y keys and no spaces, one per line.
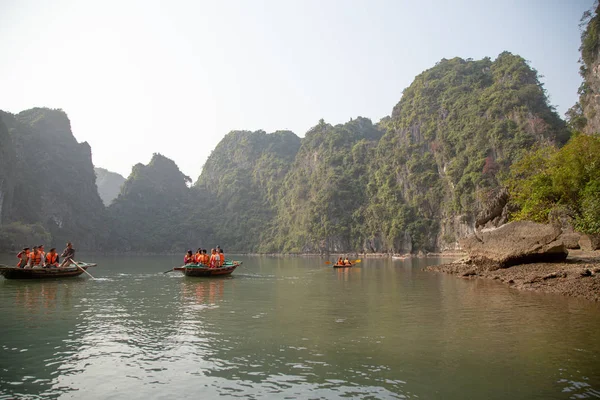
{"x":75,"y":262}
{"x":166,"y":272}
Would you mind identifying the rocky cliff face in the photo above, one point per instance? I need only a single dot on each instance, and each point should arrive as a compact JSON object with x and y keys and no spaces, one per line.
{"x":237,"y":192}
{"x":7,"y":165}
{"x":322,"y":195}
{"x":109,"y":184}
{"x":456,"y":127}
{"x":54,"y":181}
{"x":151,"y":214}
{"x":586,"y":115}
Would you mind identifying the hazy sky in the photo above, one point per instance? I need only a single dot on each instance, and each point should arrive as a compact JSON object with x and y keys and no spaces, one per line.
{"x":138,"y":77}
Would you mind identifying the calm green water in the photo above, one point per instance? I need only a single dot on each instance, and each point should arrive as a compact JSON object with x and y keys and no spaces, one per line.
{"x":291,"y":328}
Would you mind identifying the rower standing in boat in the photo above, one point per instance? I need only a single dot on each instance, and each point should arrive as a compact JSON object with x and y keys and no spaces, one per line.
{"x":68,"y":254}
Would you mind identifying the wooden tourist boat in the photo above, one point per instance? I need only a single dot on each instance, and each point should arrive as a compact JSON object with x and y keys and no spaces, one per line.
{"x":205,"y":270}
{"x":43,"y":273}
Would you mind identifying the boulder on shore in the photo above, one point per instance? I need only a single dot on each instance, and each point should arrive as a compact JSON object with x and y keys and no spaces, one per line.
{"x":589,"y":242}
{"x":515,"y":243}
{"x":570,"y":239}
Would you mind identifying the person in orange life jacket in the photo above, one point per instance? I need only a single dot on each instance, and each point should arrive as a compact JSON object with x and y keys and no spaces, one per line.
{"x":52,"y":258}
{"x":340,"y":261}
{"x":347,"y":262}
{"x":198,"y":256}
{"x":68,"y":254}
{"x":205,"y":257}
{"x":23,"y":257}
{"x":221,"y":258}
{"x":35,"y":258}
{"x":188,"y":258}
{"x":42,"y":252}
{"x":214,"y":259}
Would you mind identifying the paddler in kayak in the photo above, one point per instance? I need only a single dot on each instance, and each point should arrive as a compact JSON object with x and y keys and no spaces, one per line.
{"x":347,"y":262}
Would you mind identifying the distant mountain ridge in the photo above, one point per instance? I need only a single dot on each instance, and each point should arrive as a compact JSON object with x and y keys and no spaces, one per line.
{"x":417,"y":181}
{"x":109,"y":184}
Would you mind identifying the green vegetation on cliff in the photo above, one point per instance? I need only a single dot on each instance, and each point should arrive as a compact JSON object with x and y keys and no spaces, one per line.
{"x":585,"y":115}
{"x":549,"y":182}
{"x":52,"y":191}
{"x":457,"y":126}
{"x":151,"y":212}
{"x":236,"y":195}
{"x":416,"y":181}
{"x":324,"y":189}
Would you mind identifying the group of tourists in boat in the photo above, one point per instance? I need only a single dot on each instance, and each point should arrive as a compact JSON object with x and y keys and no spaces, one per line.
{"x":38,"y":258}
{"x":216,"y":258}
{"x":201,"y":264}
{"x":343,"y":262}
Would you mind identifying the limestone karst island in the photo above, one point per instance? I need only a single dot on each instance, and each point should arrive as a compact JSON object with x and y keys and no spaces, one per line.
{"x":303,"y":200}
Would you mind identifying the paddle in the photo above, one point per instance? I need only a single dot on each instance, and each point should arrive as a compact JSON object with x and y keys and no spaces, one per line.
{"x":75,"y":262}
{"x":166,"y":272}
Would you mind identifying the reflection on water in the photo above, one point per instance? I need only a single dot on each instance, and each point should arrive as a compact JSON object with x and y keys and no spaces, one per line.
{"x":291,"y":327}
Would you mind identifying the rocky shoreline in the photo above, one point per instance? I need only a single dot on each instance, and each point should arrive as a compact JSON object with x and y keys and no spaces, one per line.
{"x":577,"y":276}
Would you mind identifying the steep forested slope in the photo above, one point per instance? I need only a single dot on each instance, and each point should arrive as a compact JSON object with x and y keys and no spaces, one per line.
{"x":416,"y":181}
{"x":237,"y":192}
{"x":55,"y":196}
{"x":7,"y":165}
{"x":457,"y":126}
{"x":585,"y":115}
{"x":325,"y":188}
{"x":151,"y":213}
{"x":109,"y":184}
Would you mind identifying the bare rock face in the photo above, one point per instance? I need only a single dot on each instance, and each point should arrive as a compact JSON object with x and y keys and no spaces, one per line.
{"x":589,"y":242}
{"x":515,"y":243}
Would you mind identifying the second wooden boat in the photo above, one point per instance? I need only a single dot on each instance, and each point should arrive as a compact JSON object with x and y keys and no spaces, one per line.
{"x":205,"y":270}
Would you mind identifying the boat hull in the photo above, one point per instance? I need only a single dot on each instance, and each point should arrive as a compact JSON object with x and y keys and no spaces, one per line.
{"x":342,"y":266}
{"x":205,"y":271}
{"x":41,"y":273}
